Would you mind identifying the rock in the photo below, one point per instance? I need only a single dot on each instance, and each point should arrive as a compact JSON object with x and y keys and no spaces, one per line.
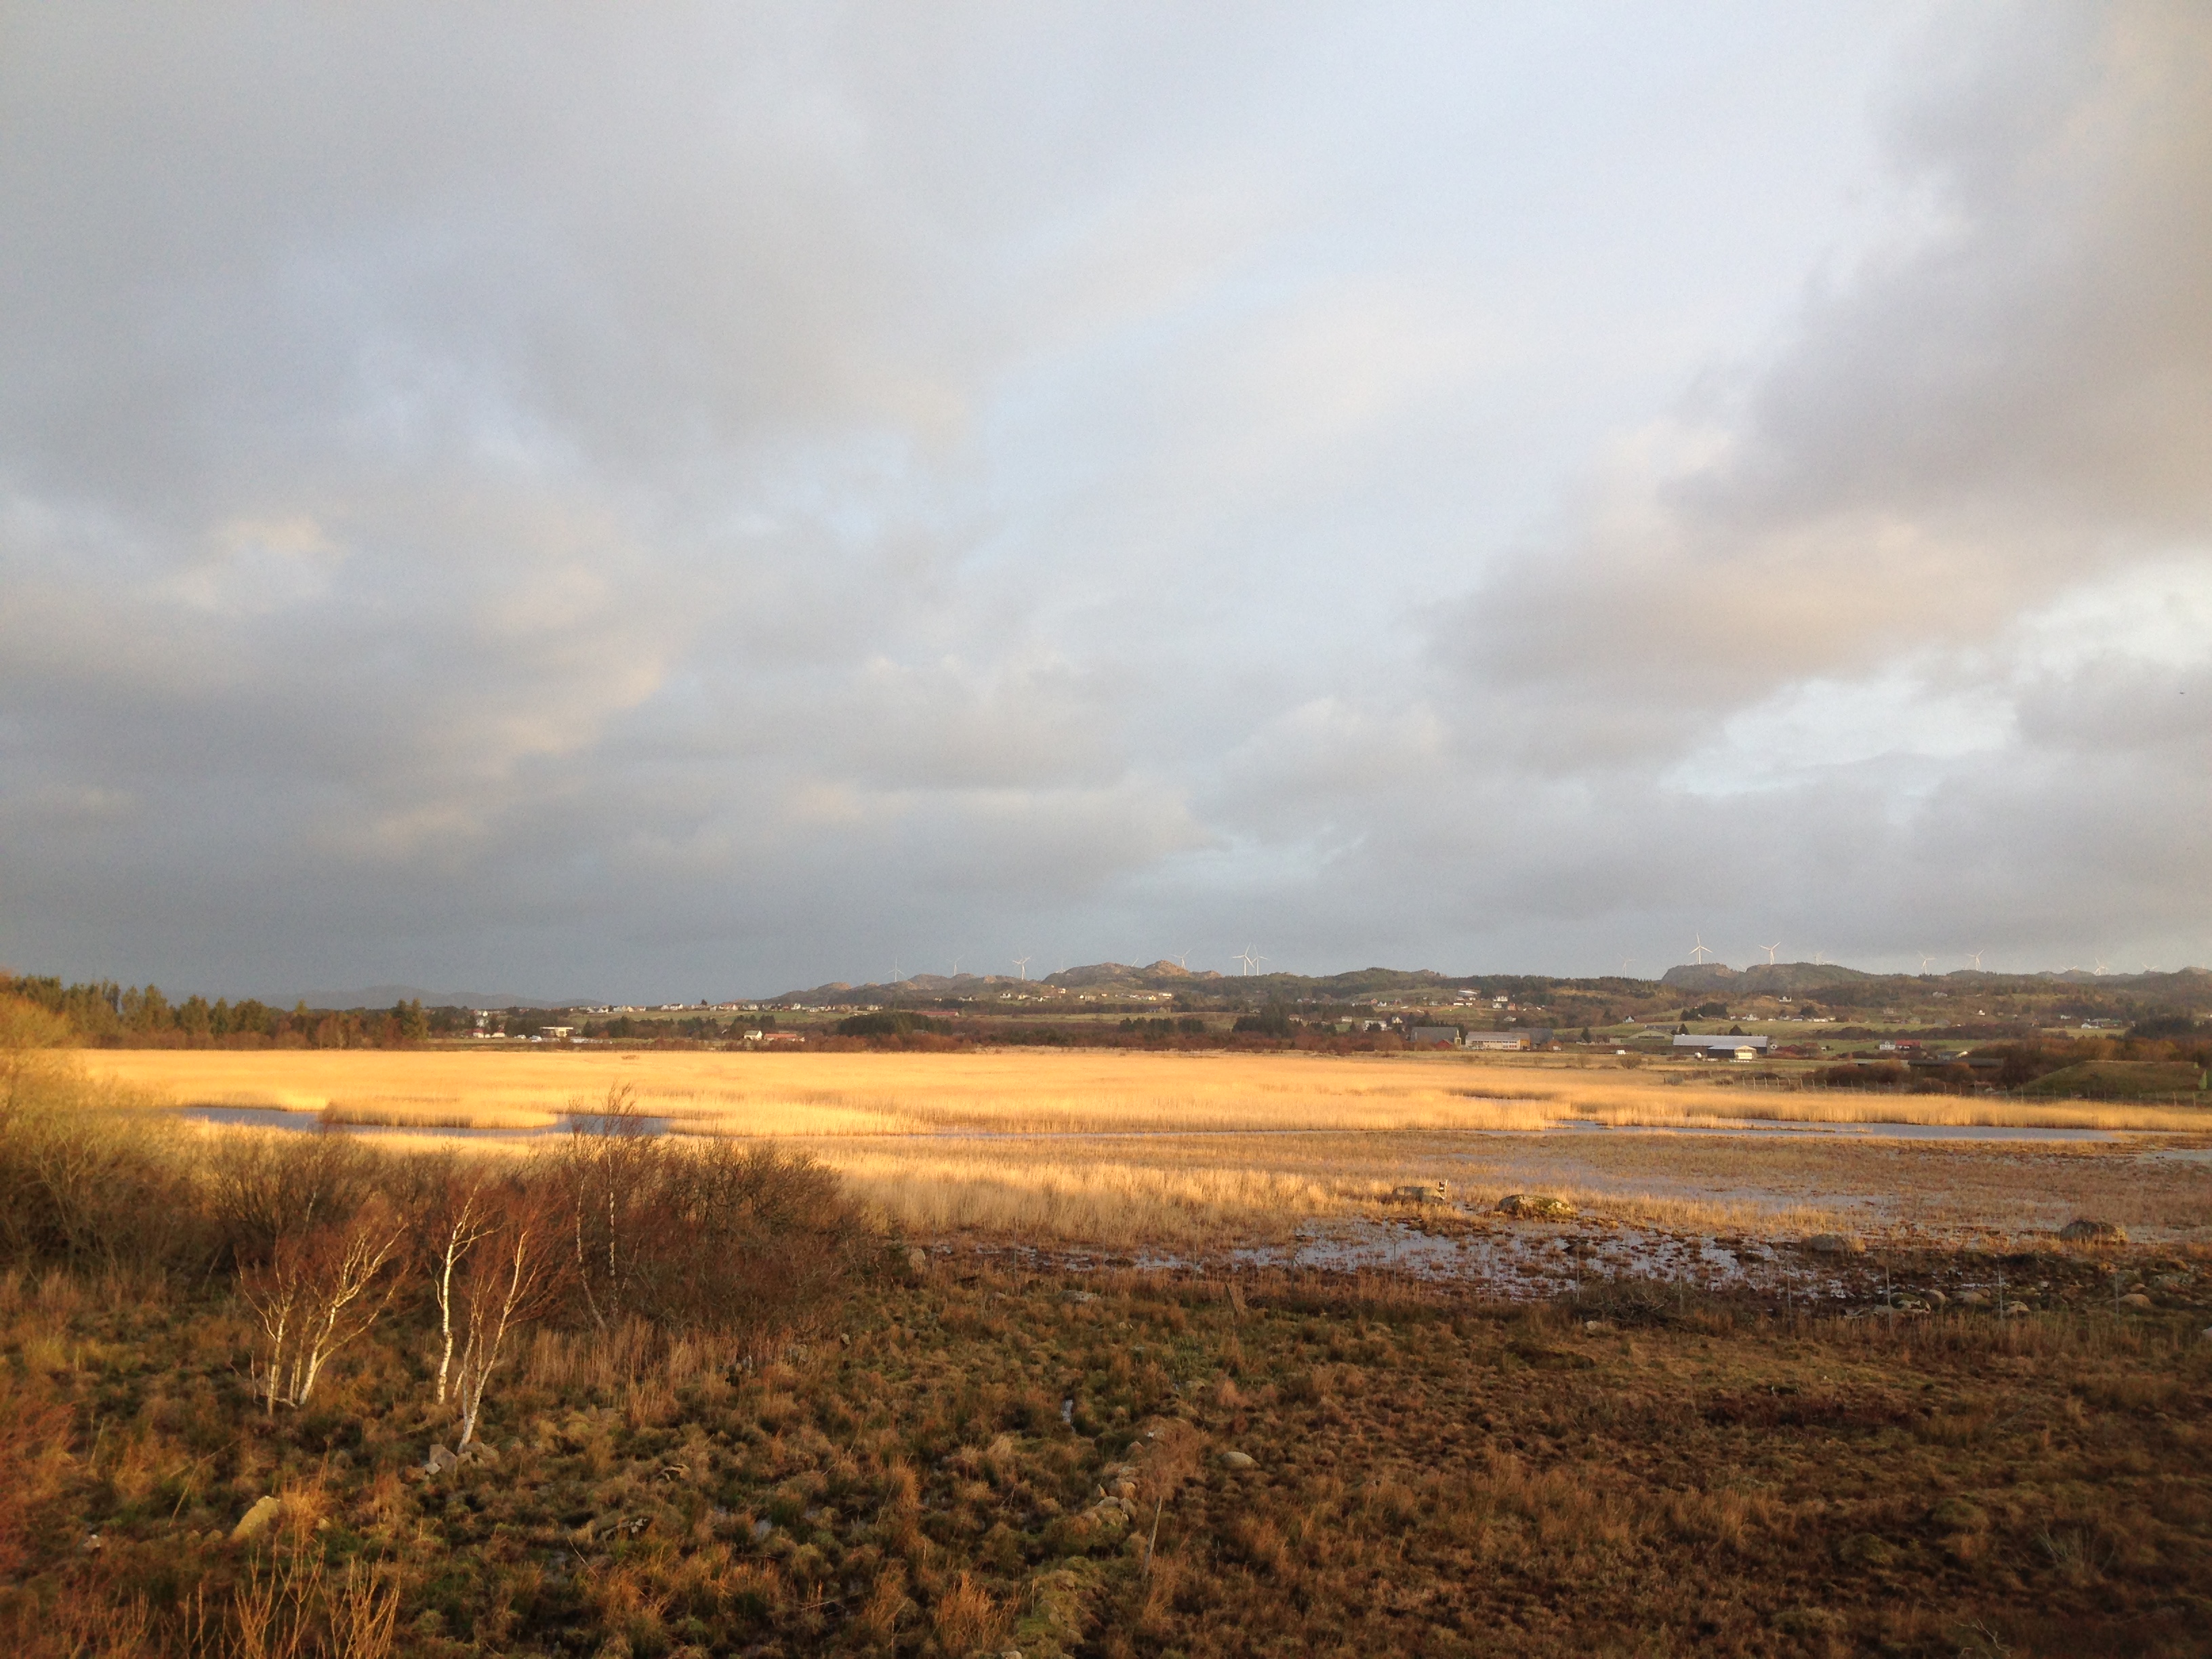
{"x":441,"y":1458}
{"x":476,"y":1452}
{"x":2085,"y":1232}
{"x":1068,"y":1413}
{"x":2136,"y":1300}
{"x":1935,"y":1298}
{"x":2174,"y":1281}
{"x":918,"y":1259}
{"x":2014,"y":1309}
{"x":1973,"y":1298}
{"x":1535,"y":1206}
{"x":1598,"y":1326}
{"x":256,"y":1520}
{"x":1835,"y":1244}
{"x":1237,"y":1460}
{"x":762,"y":1531}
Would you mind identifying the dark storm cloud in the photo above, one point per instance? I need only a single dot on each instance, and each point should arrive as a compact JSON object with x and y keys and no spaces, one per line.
{"x":697,"y":500}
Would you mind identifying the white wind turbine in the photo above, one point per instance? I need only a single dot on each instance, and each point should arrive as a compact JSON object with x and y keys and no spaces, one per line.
{"x":1975,"y":956}
{"x":1023,"y":962}
{"x":1770,"y":950}
{"x":1925,"y":960}
{"x":1700,"y":951}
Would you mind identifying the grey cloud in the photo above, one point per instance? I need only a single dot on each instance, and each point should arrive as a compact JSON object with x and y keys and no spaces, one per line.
{"x":707,"y":496}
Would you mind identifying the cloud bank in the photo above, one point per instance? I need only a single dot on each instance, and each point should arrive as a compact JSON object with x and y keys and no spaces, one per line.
{"x":710,"y":501}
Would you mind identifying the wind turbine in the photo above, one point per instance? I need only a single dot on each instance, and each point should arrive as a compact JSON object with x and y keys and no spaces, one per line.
{"x":1975,"y":956}
{"x":1182,"y":959}
{"x":1700,"y":951}
{"x":2100,"y":967}
{"x":1023,"y":962}
{"x":1770,"y":950}
{"x":1925,"y":960}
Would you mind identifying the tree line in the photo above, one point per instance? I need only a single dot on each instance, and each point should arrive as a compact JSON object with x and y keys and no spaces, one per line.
{"x":103,"y":1014}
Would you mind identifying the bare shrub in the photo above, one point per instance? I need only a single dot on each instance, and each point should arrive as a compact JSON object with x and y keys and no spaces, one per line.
{"x":320,"y":1291}
{"x":749,"y":1243}
{"x":80,"y":1182}
{"x":263,"y":1187}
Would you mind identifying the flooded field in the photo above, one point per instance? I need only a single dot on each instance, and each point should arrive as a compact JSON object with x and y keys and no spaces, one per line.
{"x":1290,"y":1162}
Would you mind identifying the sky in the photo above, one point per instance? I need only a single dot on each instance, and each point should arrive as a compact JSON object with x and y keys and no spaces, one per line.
{"x":671,"y":502}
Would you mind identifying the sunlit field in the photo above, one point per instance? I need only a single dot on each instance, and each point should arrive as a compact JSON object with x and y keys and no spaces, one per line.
{"x":1033,"y":1093}
{"x":1124,"y":1150}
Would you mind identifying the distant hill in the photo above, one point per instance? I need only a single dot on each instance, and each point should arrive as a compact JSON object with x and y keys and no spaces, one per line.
{"x":1765,"y":978}
{"x":383,"y":996}
{"x":2190,"y":988}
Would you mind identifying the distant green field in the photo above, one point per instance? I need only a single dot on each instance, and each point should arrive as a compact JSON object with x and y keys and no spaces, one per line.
{"x":2120,"y":1077}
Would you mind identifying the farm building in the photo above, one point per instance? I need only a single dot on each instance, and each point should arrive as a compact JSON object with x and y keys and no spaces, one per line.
{"x":1722,"y":1048}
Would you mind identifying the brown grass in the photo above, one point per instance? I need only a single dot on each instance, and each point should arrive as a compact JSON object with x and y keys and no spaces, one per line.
{"x":1123,"y":1151}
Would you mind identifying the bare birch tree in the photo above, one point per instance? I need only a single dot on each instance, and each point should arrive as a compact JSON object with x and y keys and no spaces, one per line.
{"x":466,"y":1215}
{"x":319,"y":1290}
{"x":514,"y":1274}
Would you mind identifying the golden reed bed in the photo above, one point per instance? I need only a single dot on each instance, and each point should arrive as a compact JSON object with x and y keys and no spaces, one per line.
{"x":1029,"y":1093}
{"x":1126,"y":1150}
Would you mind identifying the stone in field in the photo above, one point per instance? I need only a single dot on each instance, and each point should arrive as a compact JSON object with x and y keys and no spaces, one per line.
{"x":256,"y":1520}
{"x":1236,"y":1460}
{"x":2136,"y":1300}
{"x":2085,"y":1232}
{"x":1835,"y":1244}
{"x":1535,"y":1206}
{"x":1973,"y":1298}
{"x":441,"y":1459}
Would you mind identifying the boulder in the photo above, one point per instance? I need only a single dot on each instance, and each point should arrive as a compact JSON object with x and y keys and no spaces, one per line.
{"x":1535,"y":1206}
{"x":2136,"y":1300}
{"x":441,"y":1458}
{"x":257,"y":1521}
{"x":1934,"y":1298}
{"x":1835,"y":1244}
{"x":2085,"y":1232}
{"x":1973,"y":1298}
{"x":1237,"y":1460}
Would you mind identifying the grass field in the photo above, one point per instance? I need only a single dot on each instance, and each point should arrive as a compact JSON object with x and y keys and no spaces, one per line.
{"x":1120,"y":1150}
{"x":1132,"y":1465}
{"x":746,"y":1417}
